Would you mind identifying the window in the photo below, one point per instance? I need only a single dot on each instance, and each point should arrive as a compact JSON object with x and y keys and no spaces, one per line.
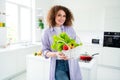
{"x":19,"y":21}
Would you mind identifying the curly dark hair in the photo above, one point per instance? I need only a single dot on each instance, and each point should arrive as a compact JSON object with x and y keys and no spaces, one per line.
{"x":53,"y":12}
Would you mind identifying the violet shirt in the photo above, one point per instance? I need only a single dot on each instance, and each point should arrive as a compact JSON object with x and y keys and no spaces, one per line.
{"x":47,"y":40}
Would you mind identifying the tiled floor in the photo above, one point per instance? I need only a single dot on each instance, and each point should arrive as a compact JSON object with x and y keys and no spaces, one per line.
{"x":20,"y":77}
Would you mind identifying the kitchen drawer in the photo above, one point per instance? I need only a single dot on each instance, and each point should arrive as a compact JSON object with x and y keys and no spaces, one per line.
{"x":110,"y":57}
{"x":106,"y":73}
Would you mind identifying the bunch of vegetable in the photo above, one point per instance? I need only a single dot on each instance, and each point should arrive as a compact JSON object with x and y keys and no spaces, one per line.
{"x":63,"y":42}
{"x":39,"y":53}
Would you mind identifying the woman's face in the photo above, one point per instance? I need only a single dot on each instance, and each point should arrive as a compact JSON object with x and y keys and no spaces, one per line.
{"x":60,"y":18}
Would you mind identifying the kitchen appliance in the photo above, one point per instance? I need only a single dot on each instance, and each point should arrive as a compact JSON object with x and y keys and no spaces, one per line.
{"x":95,"y":41}
{"x":86,"y":57}
{"x":111,"y":39}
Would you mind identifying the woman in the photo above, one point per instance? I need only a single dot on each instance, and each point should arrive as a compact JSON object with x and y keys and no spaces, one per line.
{"x":60,"y":20}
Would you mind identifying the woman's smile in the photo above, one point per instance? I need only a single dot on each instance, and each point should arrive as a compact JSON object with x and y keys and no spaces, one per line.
{"x":60,"y":18}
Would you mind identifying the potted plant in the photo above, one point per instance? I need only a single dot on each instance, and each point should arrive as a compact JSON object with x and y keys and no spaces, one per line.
{"x":41,"y":24}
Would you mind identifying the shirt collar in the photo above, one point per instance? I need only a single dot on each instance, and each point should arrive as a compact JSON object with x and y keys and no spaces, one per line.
{"x":62,"y":28}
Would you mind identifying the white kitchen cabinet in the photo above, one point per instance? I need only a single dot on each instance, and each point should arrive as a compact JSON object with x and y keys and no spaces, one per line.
{"x":13,"y":60}
{"x":89,"y":70}
{"x":108,"y":73}
{"x":112,"y":19}
{"x":7,"y":64}
{"x":38,"y":68}
{"x":2,"y":10}
{"x":89,"y":19}
{"x":110,"y":57}
{"x":109,"y":64}
{"x":21,"y":57}
{"x":3,"y":31}
{"x":3,"y":36}
{"x":89,"y":15}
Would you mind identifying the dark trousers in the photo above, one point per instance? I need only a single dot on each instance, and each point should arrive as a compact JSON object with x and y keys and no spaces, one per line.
{"x":62,"y":70}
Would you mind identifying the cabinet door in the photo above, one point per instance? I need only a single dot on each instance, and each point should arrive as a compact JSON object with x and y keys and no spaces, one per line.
{"x":3,"y":36}
{"x":46,"y":70}
{"x":21,"y":57}
{"x":112,"y":19}
{"x":89,"y":69}
{"x":110,"y":57}
{"x":34,"y":69}
{"x":21,"y":60}
{"x":37,"y":68}
{"x":106,"y":73}
{"x":89,"y":19}
{"x":7,"y":64}
{"x":3,"y":30}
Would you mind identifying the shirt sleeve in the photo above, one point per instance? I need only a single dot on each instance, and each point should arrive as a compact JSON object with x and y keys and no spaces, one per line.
{"x":72,"y":33}
{"x":45,"y":43}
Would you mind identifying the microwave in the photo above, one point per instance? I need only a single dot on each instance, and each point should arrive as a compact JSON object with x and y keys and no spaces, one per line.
{"x":111,"y":39}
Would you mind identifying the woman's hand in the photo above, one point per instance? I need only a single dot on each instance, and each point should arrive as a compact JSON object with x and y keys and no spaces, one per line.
{"x":62,"y":56}
{"x":57,"y":54}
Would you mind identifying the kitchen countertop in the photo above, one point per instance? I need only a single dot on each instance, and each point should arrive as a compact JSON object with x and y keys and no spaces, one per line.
{"x":85,"y":65}
{"x":17,"y":46}
{"x":37,"y":66}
